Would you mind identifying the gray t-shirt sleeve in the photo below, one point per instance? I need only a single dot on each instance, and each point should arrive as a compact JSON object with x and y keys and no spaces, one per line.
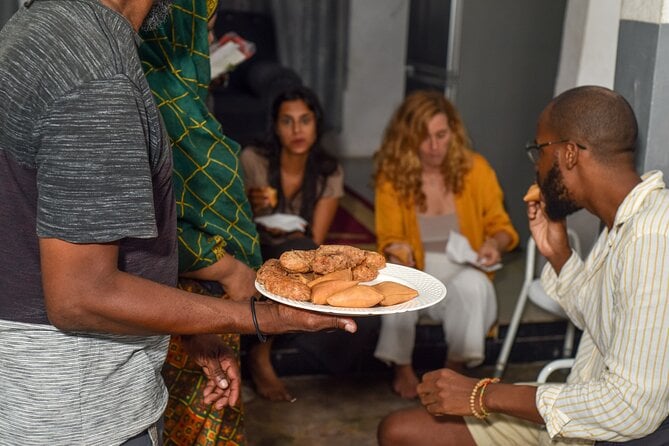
{"x":93,"y":173}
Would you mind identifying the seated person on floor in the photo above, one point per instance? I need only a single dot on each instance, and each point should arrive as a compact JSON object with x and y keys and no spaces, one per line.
{"x":290,"y":173}
{"x":618,"y":389}
{"x":430,"y":182}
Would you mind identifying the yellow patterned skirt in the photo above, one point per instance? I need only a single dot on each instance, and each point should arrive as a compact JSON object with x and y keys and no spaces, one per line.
{"x":188,"y":421}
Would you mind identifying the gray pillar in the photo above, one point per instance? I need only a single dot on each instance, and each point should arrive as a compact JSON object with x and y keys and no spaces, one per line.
{"x":642,"y":76}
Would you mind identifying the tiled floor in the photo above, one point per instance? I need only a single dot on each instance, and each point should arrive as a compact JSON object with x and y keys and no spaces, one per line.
{"x":339,"y":411}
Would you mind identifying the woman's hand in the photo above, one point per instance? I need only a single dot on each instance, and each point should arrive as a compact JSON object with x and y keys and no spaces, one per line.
{"x":445,"y":392}
{"x":238,"y":280}
{"x":220,"y":366}
{"x":489,"y":252}
{"x":400,"y":253}
{"x":262,"y":199}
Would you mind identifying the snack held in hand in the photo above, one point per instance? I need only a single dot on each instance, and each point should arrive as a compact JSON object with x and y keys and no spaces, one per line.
{"x":272,"y":196}
{"x":331,"y":275}
{"x":533,"y":194}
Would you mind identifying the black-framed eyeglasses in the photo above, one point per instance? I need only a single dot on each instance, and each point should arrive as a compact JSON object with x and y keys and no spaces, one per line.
{"x":534,"y":150}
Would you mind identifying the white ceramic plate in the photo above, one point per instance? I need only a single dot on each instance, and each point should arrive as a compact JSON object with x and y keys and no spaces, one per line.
{"x":430,"y":291}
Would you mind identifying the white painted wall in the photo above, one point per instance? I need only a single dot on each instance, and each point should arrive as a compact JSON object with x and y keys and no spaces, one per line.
{"x":589,"y":44}
{"x":651,"y":11}
{"x":375,"y":84}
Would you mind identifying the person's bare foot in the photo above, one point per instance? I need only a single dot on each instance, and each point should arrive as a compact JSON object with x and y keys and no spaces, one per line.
{"x":405,"y":381}
{"x":267,"y":383}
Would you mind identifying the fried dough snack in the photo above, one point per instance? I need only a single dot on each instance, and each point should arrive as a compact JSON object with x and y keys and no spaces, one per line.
{"x":272,"y":195}
{"x":374,"y":260}
{"x":342,"y":274}
{"x":289,"y":287}
{"x":357,"y":296}
{"x":279,"y":281}
{"x":314,"y":275}
{"x":364,"y":273}
{"x":322,"y":291}
{"x":532,"y":194}
{"x":297,"y":261}
{"x":394,"y":293}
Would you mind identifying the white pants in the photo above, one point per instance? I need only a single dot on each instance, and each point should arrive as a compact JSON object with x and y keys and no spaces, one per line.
{"x":466,"y":313}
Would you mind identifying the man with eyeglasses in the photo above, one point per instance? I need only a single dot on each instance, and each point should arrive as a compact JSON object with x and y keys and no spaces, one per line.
{"x":618,"y":389}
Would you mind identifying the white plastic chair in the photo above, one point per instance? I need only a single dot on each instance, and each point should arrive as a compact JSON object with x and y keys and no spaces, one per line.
{"x":533,"y":290}
{"x":554,"y":366}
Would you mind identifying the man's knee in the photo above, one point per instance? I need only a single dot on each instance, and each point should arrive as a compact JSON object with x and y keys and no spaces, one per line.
{"x":392,"y":431}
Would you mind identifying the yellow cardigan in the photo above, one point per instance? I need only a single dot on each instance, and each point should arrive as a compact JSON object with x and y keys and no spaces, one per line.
{"x":479,"y":208}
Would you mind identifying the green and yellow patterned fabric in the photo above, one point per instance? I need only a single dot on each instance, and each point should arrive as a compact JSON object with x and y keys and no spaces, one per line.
{"x":214,"y":215}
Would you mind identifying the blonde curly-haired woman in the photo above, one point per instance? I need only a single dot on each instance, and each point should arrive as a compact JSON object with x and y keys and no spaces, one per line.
{"x":427,"y":166}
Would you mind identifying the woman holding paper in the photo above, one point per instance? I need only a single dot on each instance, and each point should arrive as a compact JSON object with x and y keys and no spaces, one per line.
{"x":426,"y":166}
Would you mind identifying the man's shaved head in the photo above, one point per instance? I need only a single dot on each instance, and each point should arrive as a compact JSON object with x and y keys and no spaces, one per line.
{"x":597,"y":117}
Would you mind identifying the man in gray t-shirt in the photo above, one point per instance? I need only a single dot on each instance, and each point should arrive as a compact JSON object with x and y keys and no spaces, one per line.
{"x":89,"y":237}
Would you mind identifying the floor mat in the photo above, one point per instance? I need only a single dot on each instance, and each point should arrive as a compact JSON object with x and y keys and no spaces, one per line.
{"x":353,"y":223}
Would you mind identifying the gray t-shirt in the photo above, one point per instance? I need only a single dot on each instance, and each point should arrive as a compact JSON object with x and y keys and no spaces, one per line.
{"x":83,"y":158}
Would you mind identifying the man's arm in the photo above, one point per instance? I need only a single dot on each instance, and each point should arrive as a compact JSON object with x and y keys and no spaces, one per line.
{"x":629,"y":397}
{"x":324,"y":214}
{"x":85,"y":291}
{"x":445,"y":392}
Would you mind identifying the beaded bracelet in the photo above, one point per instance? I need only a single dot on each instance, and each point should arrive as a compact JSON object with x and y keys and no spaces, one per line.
{"x":260,"y":334}
{"x":484,"y":412}
{"x":482,"y":384}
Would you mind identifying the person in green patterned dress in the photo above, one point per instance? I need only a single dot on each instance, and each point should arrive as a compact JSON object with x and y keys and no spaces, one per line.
{"x":218,"y":243}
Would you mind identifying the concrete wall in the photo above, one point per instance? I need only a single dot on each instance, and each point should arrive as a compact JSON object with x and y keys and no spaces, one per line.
{"x":375,"y":83}
{"x":509,"y":59}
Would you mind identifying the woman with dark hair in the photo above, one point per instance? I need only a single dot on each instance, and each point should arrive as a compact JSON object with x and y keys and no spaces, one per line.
{"x":290,"y":173}
{"x":291,"y":167}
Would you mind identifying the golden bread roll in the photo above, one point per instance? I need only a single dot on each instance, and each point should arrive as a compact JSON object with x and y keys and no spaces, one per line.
{"x":533,"y":194}
{"x":358,"y":296}
{"x":394,"y":293}
{"x":321,"y":291}
{"x":342,"y":274}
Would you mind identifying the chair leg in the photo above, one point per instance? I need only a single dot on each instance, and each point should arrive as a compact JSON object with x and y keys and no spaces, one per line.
{"x":569,"y":335}
{"x":500,"y":366}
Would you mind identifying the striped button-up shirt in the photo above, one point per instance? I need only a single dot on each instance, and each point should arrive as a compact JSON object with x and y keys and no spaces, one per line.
{"x":619,"y":387}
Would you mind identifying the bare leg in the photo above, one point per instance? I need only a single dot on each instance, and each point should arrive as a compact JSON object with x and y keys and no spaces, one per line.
{"x":415,"y":426}
{"x":405,"y":381}
{"x":267,"y":383}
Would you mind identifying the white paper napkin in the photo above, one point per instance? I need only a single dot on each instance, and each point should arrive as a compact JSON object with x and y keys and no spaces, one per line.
{"x":459,"y":250}
{"x":284,"y":222}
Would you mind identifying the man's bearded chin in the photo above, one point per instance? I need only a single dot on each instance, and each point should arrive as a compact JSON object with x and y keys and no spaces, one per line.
{"x":157,"y":15}
{"x":556,"y":196}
